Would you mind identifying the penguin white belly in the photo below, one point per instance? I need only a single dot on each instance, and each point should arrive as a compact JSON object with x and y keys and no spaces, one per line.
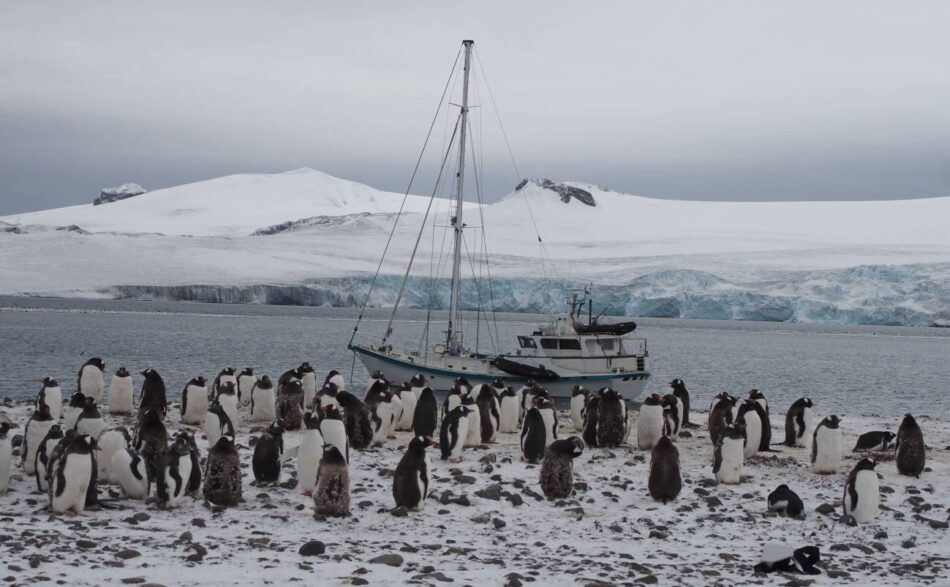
{"x":91,"y":383}
{"x":510,"y":409}
{"x":309,"y":385}
{"x":308,"y":460}
{"x":381,"y":423}
{"x":422,"y":486}
{"x":70,"y":417}
{"x":110,"y":442}
{"x":869,"y":496}
{"x":753,"y":433}
{"x":456,"y":454}
{"x":230,"y":407}
{"x":244,"y":386}
{"x":6,"y":462}
{"x":334,"y":434}
{"x":337,"y":380}
{"x":91,"y":426}
{"x":474,"y":435}
{"x":77,"y":475}
{"x":264,"y":405}
{"x":395,"y":412}
{"x":649,"y":426}
{"x":408,"y":409}
{"x":212,"y":429}
{"x":730,"y":469}
{"x":176,"y":495}
{"x":550,"y":425}
{"x":577,"y":412}
{"x":41,"y":473}
{"x":197,"y":407}
{"x":827,"y":450}
{"x":133,"y":487}
{"x":454,"y":401}
{"x":54,"y":399}
{"x":34,"y":436}
{"x":120,"y":395}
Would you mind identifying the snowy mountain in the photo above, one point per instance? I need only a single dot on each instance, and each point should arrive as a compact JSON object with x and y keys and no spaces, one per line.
{"x":306,"y":237}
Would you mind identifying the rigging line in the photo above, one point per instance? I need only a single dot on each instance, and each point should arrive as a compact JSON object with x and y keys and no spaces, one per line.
{"x":481,"y":213}
{"x":478,"y":287}
{"x":405,"y":196}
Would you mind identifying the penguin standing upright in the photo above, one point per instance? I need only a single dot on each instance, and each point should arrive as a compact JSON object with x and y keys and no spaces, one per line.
{"x":407,"y":397}
{"x":453,"y":399}
{"x":862,"y":492}
{"x":263,"y":401}
{"x":557,"y":468}
{"x":245,"y":383}
{"x":333,"y":430}
{"x":826,"y":446}
{"x":785,"y":501}
{"x":308,"y":382}
{"x":90,"y":421}
{"x":151,"y":441}
{"x":357,"y":420}
{"x":110,"y":442}
{"x":222,"y":481}
{"x":665,"y":481}
{"x":679,"y":390}
{"x":650,"y":422}
{"x":591,"y":419}
{"x":227,"y":375}
{"x":377,"y":401}
{"x":549,"y":415}
{"x":121,"y":393}
{"x":728,"y":456}
{"x":51,"y":395}
{"x":488,"y":412}
{"x":473,"y":436}
{"x":227,"y":397}
{"x":526,"y":397}
{"x":6,"y":455}
{"x":176,"y":472}
{"x":533,"y":435}
{"x":44,"y":456}
{"x":194,"y":482}
{"x":426,"y":415}
{"x":217,"y":424}
{"x":411,"y":480}
{"x":509,"y":410}
{"x":89,"y":380}
{"x":672,"y":416}
{"x":798,"y":422}
{"x":761,"y":406}
{"x":331,"y":496}
{"x":309,"y":453}
{"x":911,"y":451}
{"x":153,"y":394}
{"x":612,"y":419}
{"x":73,"y":475}
{"x":289,"y":406}
{"x":194,"y":402}
{"x":336,"y":379}
{"x":36,"y":428}
{"x":749,"y":417}
{"x":579,"y":397}
{"x":267,"y":452}
{"x":77,"y":402}
{"x":720,"y":415}
{"x":131,"y":473}
{"x":453,"y":434}
{"x":326,"y":396}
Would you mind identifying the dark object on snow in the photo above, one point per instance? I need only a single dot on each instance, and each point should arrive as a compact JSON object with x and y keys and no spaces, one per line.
{"x":781,"y":558}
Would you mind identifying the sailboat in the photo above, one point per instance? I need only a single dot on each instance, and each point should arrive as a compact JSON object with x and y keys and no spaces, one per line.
{"x":559,"y":355}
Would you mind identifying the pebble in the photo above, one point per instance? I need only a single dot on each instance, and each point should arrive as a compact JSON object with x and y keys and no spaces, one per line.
{"x":392,"y":560}
{"x":312,"y":548}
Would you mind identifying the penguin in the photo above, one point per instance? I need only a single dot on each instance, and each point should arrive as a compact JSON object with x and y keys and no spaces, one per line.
{"x":288,"y":376}
{"x":194,"y":482}
{"x":758,"y":397}
{"x":151,"y":441}
{"x":73,"y":475}
{"x":650,"y":423}
{"x":267,"y":452}
{"x":526,"y":396}
{"x":720,"y":415}
{"x":289,"y":406}
{"x":798,"y":423}
{"x":762,"y":409}
{"x":222,"y":481}
{"x":336,"y":379}
{"x":672,"y":416}
{"x":453,"y":399}
{"x":224,"y":377}
{"x":489,"y":413}
{"x":782,"y":558}
{"x":333,"y":430}
{"x":786,"y":502}
{"x":153,"y":394}
{"x":377,"y":382}
{"x":89,"y":380}
{"x":77,"y":402}
{"x":878,"y":440}
{"x":121,"y":393}
{"x":407,"y":397}
{"x":411,"y":481}
{"x":591,"y":419}
{"x":172,"y":485}
{"x":36,"y":429}
{"x":473,"y":436}
{"x":227,"y":398}
{"x":51,"y":395}
{"x":665,"y":481}
{"x":310,"y":453}
{"x":110,"y":442}
{"x":426,"y":415}
{"x":728,"y":456}
{"x":579,"y":397}
{"x":331,"y":496}
{"x":549,"y":415}
{"x":90,"y":421}
{"x":509,"y":409}
{"x":557,"y":468}
{"x":611,"y":419}
{"x":55,"y":452}
{"x":326,"y":396}
{"x":308,"y":382}
{"x":533,"y":436}
{"x":263,"y":401}
{"x":6,"y":455}
{"x":357,"y":420}
{"x":395,"y":412}
{"x":826,"y":446}
{"x":43,"y":455}
{"x":217,"y":424}
{"x":911,"y":451}
{"x":131,"y":473}
{"x":377,"y":401}
{"x":453,"y":433}
{"x":862,"y":494}
{"x":750,"y":417}
{"x":679,"y":390}
{"x":194,"y":401}
{"x":245,"y":383}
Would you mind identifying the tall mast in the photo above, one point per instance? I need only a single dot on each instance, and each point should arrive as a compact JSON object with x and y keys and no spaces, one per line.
{"x":453,"y":334}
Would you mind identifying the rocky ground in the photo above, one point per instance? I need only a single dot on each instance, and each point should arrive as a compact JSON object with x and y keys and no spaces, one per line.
{"x":486,"y":523}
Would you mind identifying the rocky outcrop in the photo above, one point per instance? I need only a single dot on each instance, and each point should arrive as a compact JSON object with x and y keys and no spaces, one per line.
{"x":566,"y":192}
{"x":121,"y":192}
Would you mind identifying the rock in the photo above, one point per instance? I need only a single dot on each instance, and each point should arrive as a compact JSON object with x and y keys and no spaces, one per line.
{"x":128,"y":553}
{"x":465,"y":479}
{"x":499,"y":523}
{"x":515,"y":499}
{"x":185,"y":537}
{"x":312,"y":548}
{"x":659,"y":534}
{"x":392,"y":560}
{"x":400,"y":512}
{"x":133,"y":580}
{"x":492,"y":492}
{"x":826,"y":509}
{"x":141,"y":517}
{"x":481,"y":519}
{"x":86,"y":544}
{"x":713,"y":501}
{"x":880,"y":535}
{"x":122,"y":192}
{"x":839,"y":548}
{"x":648,"y":580}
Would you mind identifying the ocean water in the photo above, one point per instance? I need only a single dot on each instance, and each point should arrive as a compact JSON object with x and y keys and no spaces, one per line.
{"x":858,"y":370}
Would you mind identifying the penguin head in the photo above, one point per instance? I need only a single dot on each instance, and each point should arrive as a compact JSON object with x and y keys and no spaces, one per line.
{"x":226,"y":389}
{"x":180,"y":446}
{"x":89,"y":404}
{"x":97,"y":363}
{"x":225,"y":443}
{"x":77,"y":400}
{"x":264,"y":382}
{"x":183,"y":434}
{"x":228,"y":371}
{"x":578,"y":390}
{"x":831,"y":421}
{"x":305,"y":368}
{"x":333,"y":456}
{"x":122,"y":372}
{"x":151,"y":375}
{"x":577,"y":446}
{"x":427,"y":392}
{"x":808,"y":403}
{"x":329,"y":388}
{"x":247,"y":371}
{"x":55,"y":431}
{"x":498,"y":383}
{"x":419,"y":444}
{"x":889,"y":436}
{"x":276,"y":428}
{"x":468,"y":400}
{"x":865,"y":464}
{"x":199,"y":381}
{"x":49,"y":382}
{"x":331,"y":413}
{"x":676,"y":384}
{"x":908,"y":422}
{"x":755,"y":394}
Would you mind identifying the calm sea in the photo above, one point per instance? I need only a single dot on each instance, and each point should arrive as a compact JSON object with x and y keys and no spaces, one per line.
{"x":859,"y":370}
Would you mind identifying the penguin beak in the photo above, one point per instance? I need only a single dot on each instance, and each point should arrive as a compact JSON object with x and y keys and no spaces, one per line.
{"x":433,"y":443}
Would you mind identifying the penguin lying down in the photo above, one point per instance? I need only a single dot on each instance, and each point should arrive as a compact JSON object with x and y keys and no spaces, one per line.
{"x":782,"y":558}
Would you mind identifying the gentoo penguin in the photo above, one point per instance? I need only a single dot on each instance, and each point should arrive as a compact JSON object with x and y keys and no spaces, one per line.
{"x":426,"y":415}
{"x":331,"y":496}
{"x":194,"y":482}
{"x":911,"y":452}
{"x":89,"y":380}
{"x":131,"y":473}
{"x":377,"y":382}
{"x":557,"y":468}
{"x":720,"y":415}
{"x":90,"y":421}
{"x":798,"y":422}
{"x":336,"y":379}
{"x":579,"y":397}
{"x":826,"y":446}
{"x":782,"y":558}
{"x":227,"y":375}
{"x":227,"y":398}
{"x":672,"y":416}
{"x":395,"y":411}
{"x":862,"y":495}
{"x":750,"y":417}
{"x":612,"y":419}
{"x":267,"y":452}
{"x":263,"y":401}
{"x":121,"y":394}
{"x":679,"y":390}
{"x":533,"y":436}
{"x":526,"y":397}
{"x":728,"y":457}
{"x":288,"y":376}
{"x":591,"y":419}
{"x":222,"y":482}
{"x":878,"y":440}
{"x":785,"y":501}
{"x":77,"y":402}
{"x":509,"y":411}
{"x":665,"y":481}
{"x":333,"y":431}
{"x":759,"y":397}
{"x":411,"y":481}
{"x":73,"y":475}
{"x":326,"y":396}
{"x":308,"y":381}
{"x":217,"y":424}
{"x":51,"y":395}
{"x":245,"y":382}
{"x":6,"y":455}
{"x":380,"y":409}
{"x":650,"y":423}
{"x":407,"y":397}
{"x":488,"y":412}
{"x":43,"y":455}
{"x":473,"y":435}
{"x":289,"y":406}
{"x":110,"y":442}
{"x":453,"y":399}
{"x":309,"y":453}
{"x":153,"y":394}
{"x":36,"y":428}
{"x":173,"y":483}
{"x":151,"y":441}
{"x":357,"y":420}
{"x":453,"y":434}
{"x":762,"y":409}
{"x":54,"y":450}
{"x":194,"y":401}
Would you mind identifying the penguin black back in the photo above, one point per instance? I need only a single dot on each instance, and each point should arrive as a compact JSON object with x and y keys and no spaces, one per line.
{"x":785,"y":501}
{"x":911,"y":452}
{"x":194,"y":481}
{"x":426,"y":414}
{"x":681,"y":393}
{"x":411,"y":481}
{"x":151,"y":441}
{"x":533,"y":436}
{"x":591,"y":417}
{"x":665,"y":481}
{"x":266,"y":460}
{"x":721,"y":415}
{"x":153,"y":394}
{"x":356,"y":420}
{"x":557,"y":469}
{"x":222,"y":482}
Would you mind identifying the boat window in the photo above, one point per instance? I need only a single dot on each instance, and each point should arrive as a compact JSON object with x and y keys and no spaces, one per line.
{"x":570,"y":344}
{"x":527,"y":342}
{"x":549,"y":343}
{"x":606,"y":344}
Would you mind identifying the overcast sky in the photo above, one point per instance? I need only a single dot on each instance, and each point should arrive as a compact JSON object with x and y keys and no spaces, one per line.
{"x":716,"y":100}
